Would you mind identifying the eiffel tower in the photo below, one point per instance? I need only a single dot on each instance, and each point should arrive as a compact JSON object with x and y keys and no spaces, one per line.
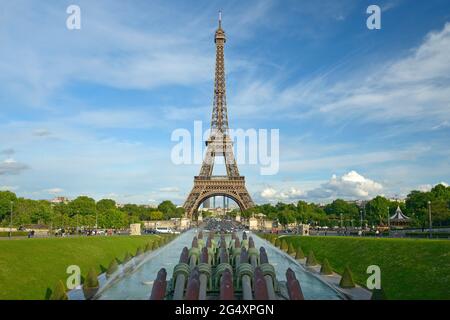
{"x":218,"y":144}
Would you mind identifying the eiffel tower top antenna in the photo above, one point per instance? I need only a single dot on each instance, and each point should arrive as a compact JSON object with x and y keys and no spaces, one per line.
{"x":219,"y":120}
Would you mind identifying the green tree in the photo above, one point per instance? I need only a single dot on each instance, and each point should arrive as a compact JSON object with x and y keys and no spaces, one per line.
{"x":340,"y":207}
{"x":82,"y":205}
{"x":105,"y":204}
{"x":377,"y":210}
{"x":287,"y":216}
{"x":167,"y":208}
{"x":417,"y":207}
{"x":5,"y":203}
{"x":114,"y":218}
{"x":156,"y":215}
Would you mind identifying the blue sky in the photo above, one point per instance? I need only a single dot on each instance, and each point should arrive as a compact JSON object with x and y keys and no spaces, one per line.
{"x":360,"y":112}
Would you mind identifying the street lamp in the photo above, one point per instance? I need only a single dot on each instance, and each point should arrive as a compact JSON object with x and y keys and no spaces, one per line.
{"x":389,"y":219}
{"x":11,"y":219}
{"x":361,"y":218}
{"x":429,"y":216}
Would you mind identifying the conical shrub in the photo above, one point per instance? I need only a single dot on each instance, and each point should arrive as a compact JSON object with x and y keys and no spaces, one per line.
{"x":326,"y":268}
{"x":273,"y":240}
{"x":139,"y":251}
{"x":291,"y":249}
{"x":91,"y":280}
{"x":284,"y":245}
{"x":155,"y":245}
{"x":90,"y":286}
{"x":347,"y":279}
{"x":311,"y":260}
{"x":113,"y":267}
{"x":378,"y":294}
{"x":299,"y":253}
{"x":59,"y":293}
{"x":148,"y":247}
{"x":277,"y":242}
{"x":127,"y":257}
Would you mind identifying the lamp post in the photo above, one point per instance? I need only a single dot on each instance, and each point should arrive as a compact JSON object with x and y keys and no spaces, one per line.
{"x":96,"y":221}
{"x":361,"y":218}
{"x":11,"y":220}
{"x":429,"y":216}
{"x":389,"y":219}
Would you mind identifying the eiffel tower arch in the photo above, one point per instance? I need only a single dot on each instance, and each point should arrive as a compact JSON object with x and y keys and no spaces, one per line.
{"x":206,"y":185}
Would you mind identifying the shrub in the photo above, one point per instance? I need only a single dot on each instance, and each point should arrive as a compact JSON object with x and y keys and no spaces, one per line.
{"x":139,"y":251}
{"x":113,"y":266}
{"x":278,"y":243}
{"x":148,"y":247}
{"x":14,"y":234}
{"x":284,"y":245}
{"x":59,"y":293}
{"x":127,"y":257}
{"x":299,"y":253}
{"x":347,"y":279}
{"x":90,"y":286}
{"x":91,"y":280}
{"x":291,"y":249}
{"x":378,"y":294}
{"x":311,"y":260}
{"x":273,"y":240}
{"x":326,"y":268}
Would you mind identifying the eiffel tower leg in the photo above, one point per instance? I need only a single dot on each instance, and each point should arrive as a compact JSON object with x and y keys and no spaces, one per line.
{"x":205,"y":188}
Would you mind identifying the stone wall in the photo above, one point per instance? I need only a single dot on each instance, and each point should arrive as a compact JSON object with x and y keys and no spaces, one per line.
{"x":179,"y":224}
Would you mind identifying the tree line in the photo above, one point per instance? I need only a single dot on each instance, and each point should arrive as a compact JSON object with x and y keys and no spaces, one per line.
{"x":82,"y":211}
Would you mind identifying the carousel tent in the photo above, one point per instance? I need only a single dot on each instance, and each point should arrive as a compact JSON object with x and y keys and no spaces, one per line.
{"x":399,"y":218}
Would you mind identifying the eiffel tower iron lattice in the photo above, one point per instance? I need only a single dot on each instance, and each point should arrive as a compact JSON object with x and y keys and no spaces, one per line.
{"x":218,"y":144}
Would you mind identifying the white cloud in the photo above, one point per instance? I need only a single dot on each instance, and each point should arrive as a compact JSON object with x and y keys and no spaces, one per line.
{"x":428,"y":187}
{"x":424,"y":187}
{"x":272,"y":194}
{"x":350,"y":185}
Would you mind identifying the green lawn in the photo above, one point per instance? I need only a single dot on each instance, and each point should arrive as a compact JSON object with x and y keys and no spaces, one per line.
{"x":31,"y":267}
{"x":410,"y":268}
